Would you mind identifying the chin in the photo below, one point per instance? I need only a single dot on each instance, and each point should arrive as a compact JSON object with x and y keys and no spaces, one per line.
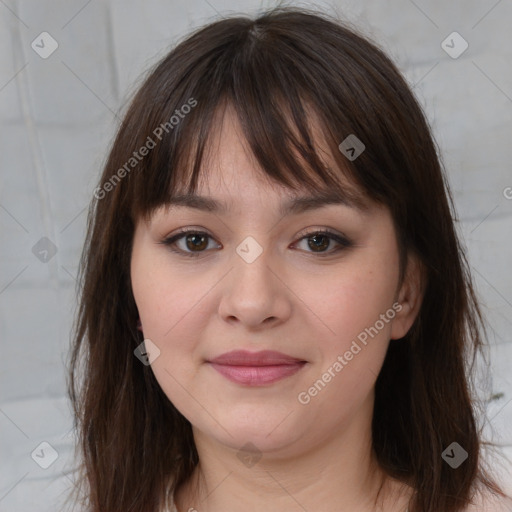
{"x":264,"y":438}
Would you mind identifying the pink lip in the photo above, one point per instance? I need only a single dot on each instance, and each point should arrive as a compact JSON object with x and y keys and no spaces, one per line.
{"x":256,"y":368}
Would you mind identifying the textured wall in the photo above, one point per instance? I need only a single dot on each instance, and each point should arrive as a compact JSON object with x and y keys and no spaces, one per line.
{"x":58,"y":114}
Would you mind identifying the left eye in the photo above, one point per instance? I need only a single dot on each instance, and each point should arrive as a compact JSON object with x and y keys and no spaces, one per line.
{"x":196,"y":242}
{"x":319,"y":241}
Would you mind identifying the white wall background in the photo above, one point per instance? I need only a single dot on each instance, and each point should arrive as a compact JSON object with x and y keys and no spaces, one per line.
{"x":59,"y":114}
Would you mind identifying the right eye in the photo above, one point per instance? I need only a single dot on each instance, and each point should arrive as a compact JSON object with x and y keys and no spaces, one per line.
{"x":194,"y":242}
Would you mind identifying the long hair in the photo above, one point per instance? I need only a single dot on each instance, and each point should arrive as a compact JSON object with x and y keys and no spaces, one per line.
{"x":276,"y":71}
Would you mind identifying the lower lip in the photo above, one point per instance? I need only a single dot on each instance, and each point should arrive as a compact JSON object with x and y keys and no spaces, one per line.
{"x":257,"y":375}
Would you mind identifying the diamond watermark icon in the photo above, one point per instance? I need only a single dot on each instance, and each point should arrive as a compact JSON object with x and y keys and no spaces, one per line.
{"x":44,"y":250}
{"x":249,"y":455}
{"x":454,"y":455}
{"x":249,"y":249}
{"x":44,"y":45}
{"x":454,"y":45}
{"x":352,"y":147}
{"x":44,"y":455}
{"x":147,"y":352}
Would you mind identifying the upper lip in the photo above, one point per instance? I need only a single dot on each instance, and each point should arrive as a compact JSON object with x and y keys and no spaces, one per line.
{"x":262,"y":358}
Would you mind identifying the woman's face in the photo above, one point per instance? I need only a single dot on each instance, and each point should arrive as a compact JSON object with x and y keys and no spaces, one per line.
{"x":255,"y":279}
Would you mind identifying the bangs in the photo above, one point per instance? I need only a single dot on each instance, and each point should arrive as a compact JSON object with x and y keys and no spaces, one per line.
{"x":283,"y":156}
{"x":285,"y":121}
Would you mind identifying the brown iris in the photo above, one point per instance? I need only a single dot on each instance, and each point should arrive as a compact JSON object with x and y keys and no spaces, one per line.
{"x":196,"y":242}
{"x":323,"y":244}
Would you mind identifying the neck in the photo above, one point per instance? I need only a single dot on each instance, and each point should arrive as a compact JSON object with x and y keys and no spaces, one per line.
{"x":339,"y":472}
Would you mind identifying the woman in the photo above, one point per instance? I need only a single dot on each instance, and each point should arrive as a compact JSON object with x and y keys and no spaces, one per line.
{"x":275,"y":310}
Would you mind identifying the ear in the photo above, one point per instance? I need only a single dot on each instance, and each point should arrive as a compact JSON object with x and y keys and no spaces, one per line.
{"x":410,"y":297}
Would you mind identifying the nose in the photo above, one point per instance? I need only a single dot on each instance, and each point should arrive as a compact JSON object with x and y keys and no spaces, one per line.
{"x":254,"y":293}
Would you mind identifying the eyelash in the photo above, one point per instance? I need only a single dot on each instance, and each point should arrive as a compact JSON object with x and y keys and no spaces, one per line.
{"x":344,"y":243}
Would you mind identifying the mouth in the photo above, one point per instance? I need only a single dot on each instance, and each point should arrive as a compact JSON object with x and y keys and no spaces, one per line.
{"x":256,"y":368}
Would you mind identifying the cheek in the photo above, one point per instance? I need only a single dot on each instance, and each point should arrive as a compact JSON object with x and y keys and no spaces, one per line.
{"x":149,"y":291}
{"x":171,"y":313}
{"x":350,"y":305}
{"x":354,"y":341}
{"x":352,"y":300}
{"x":162,"y":297}
{"x":174,"y":312}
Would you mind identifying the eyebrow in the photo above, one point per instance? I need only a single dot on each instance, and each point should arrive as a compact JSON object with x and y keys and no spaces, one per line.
{"x":294,"y":205}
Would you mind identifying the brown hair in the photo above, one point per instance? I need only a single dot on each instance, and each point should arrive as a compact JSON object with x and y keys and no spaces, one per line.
{"x":135,"y":445}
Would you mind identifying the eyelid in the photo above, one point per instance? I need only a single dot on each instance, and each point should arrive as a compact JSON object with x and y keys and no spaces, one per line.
{"x":181,"y":233}
{"x":343,"y":241}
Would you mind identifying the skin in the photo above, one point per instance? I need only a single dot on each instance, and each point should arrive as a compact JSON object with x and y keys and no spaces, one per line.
{"x":290,"y":299}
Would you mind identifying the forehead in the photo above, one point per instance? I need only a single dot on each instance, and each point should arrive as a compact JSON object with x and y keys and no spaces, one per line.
{"x":221,"y":168}
{"x":289,"y":204}
{"x":230,"y":171}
